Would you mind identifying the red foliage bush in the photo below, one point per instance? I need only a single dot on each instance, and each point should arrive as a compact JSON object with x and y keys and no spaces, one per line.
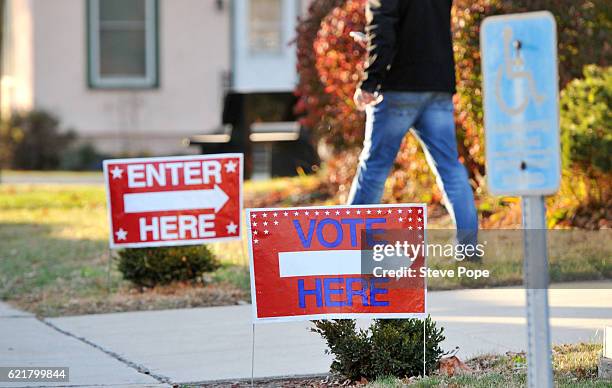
{"x":330,"y":65}
{"x":339,"y":64}
{"x":312,"y":98}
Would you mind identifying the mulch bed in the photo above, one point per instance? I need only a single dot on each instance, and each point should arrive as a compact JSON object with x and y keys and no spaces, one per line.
{"x":319,"y":381}
{"x":174,"y":296}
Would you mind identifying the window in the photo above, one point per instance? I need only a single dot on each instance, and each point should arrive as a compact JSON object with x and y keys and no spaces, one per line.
{"x":265,"y":26}
{"x":122,"y":43}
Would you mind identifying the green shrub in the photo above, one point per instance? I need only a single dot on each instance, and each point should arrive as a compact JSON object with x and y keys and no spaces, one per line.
{"x":152,"y":266}
{"x":586,"y":143}
{"x":390,"y":347}
{"x":33,"y":141}
{"x":83,"y":157}
{"x":583,"y":29}
{"x":586,"y":119}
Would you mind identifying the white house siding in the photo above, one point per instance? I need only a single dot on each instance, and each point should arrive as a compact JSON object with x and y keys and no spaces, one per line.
{"x":194,"y":45}
{"x":17,"y":81}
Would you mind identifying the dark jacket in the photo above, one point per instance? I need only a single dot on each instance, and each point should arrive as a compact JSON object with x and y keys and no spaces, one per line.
{"x":409,"y":46}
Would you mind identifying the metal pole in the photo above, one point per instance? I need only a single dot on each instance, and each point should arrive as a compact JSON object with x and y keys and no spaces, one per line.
{"x":424,"y":348}
{"x":253,"y":358}
{"x":535,"y":273}
{"x":425,"y":309}
{"x":108,"y":270}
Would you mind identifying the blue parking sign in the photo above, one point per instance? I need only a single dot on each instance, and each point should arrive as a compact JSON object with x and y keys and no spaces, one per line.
{"x":521,"y":103}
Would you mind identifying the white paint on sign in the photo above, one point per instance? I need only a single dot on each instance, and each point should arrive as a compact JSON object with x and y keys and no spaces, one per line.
{"x":215,"y":199}
{"x":175,"y":227}
{"x":180,"y":173}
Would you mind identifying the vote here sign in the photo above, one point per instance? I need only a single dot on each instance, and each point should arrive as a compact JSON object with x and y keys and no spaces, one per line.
{"x":316,"y":262}
{"x":174,"y":200}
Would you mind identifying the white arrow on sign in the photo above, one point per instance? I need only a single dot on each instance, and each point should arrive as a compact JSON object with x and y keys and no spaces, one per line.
{"x":175,"y":200}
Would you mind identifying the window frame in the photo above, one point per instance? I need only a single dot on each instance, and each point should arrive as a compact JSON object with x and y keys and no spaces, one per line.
{"x":151,"y":79}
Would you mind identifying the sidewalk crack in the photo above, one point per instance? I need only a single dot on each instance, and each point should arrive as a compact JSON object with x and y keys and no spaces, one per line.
{"x":138,"y":367}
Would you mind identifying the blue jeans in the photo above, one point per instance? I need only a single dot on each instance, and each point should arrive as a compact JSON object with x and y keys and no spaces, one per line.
{"x":431,"y":117}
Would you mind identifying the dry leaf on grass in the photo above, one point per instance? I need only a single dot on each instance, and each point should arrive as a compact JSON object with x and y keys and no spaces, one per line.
{"x":451,"y":366}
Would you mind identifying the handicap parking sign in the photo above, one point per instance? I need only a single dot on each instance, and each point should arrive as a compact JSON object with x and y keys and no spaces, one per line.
{"x":521,"y":103}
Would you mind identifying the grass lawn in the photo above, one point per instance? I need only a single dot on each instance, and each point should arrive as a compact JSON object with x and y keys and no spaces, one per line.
{"x":574,"y":366}
{"x":574,"y":255}
{"x":54,"y":256}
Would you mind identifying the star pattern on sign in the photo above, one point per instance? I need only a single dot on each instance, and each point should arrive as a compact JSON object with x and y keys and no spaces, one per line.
{"x":267,"y":229}
{"x":231,"y":228}
{"x":230,"y":166}
{"x":116,"y":172}
{"x":121,"y":234}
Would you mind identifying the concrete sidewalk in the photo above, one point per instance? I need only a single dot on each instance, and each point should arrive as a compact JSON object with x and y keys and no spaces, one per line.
{"x":206,"y":344}
{"x":26,"y":341}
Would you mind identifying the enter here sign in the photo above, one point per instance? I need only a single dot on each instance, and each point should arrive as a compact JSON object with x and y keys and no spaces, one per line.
{"x":174,"y":200}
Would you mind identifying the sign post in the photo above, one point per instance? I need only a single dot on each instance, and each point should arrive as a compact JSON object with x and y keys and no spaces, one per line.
{"x":521,"y":106}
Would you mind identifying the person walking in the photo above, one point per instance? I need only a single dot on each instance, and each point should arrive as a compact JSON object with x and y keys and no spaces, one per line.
{"x":409,"y":82}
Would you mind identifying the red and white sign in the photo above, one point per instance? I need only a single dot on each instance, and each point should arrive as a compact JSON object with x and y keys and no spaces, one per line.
{"x":178,"y":200}
{"x":307,"y":263}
